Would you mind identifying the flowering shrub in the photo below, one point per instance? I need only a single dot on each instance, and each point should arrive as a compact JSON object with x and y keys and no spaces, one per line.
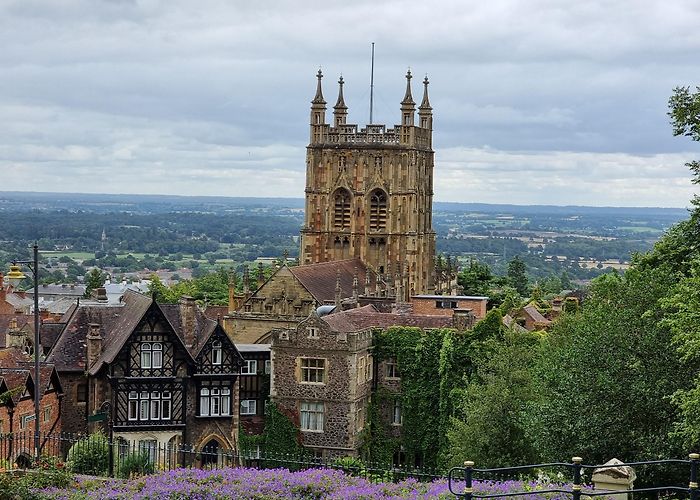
{"x":243,"y":483}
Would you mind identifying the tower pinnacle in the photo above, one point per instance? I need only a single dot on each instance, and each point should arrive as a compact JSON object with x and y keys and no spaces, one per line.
{"x":340,"y":110}
{"x":318,"y":98}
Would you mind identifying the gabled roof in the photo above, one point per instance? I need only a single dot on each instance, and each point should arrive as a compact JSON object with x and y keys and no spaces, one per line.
{"x":535,"y":315}
{"x":320,"y":279}
{"x":69,"y":352}
{"x":353,"y":320}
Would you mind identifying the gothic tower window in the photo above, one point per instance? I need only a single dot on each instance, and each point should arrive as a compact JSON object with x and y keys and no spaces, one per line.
{"x":341,"y":214}
{"x":377,"y":210}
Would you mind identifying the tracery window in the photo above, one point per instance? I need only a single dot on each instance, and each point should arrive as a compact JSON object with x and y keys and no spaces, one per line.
{"x":341,"y":213}
{"x":377,"y":210}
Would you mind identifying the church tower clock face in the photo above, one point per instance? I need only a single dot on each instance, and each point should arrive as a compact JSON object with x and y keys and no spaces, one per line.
{"x":369,"y":191}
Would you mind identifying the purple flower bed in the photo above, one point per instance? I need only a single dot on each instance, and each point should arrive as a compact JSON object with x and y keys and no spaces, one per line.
{"x":256,"y":484}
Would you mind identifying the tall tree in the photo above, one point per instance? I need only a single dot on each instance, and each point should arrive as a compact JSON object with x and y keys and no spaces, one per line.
{"x":94,"y":279}
{"x":517,"y":275}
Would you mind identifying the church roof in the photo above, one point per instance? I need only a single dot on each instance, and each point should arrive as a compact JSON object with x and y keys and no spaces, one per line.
{"x":353,"y":320}
{"x":320,"y":279}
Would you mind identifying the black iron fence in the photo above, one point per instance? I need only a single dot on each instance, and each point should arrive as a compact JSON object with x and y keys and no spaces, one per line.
{"x":463,"y":482}
{"x":97,"y":455}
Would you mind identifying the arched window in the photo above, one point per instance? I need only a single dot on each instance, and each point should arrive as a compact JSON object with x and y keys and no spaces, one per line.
{"x":377,"y":210}
{"x":341,"y":213}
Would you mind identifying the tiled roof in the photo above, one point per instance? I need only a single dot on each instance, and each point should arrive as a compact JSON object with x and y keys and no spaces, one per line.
{"x":53,"y":289}
{"x":117,"y":322}
{"x":12,"y":357}
{"x":320,"y":279}
{"x":214,"y":312}
{"x":535,"y":315}
{"x":361,"y":318}
{"x":13,"y":379}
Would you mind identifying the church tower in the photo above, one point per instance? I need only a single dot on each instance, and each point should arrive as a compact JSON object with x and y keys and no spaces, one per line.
{"x":369,"y":192}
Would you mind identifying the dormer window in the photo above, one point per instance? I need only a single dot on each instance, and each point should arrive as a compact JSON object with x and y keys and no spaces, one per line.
{"x":216,"y":353}
{"x":152,"y":355}
{"x":312,"y":332}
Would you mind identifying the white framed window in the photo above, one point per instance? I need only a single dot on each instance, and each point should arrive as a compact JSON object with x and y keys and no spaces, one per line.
{"x":146,"y":353}
{"x":311,"y":416}
{"x":396,"y":414}
{"x":216,"y":353}
{"x":47,"y":414}
{"x":214,"y":401}
{"x":155,"y":406}
{"x":144,"y":407}
{"x":25,"y":420}
{"x":312,"y":332}
{"x":204,"y":402}
{"x":133,"y":405}
{"x":225,"y":401}
{"x":157,"y":361}
{"x":249,"y":407}
{"x":250,"y":367}
{"x":392,"y":369}
{"x":150,"y":447}
{"x":313,"y":370}
{"x":268,"y":366}
{"x":166,"y":398}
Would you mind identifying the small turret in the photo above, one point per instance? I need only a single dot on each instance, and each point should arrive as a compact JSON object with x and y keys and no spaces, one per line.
{"x":408,"y":105}
{"x":425,"y":111}
{"x":318,"y":112}
{"x":340,"y":110}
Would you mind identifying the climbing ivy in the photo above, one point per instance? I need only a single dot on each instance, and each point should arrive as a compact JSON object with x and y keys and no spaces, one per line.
{"x":280,"y":436}
{"x":435,"y":366}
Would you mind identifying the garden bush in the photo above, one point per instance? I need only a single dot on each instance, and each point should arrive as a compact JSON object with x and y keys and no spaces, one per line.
{"x":90,"y":455}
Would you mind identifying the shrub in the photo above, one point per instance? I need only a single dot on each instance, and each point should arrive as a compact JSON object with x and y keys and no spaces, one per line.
{"x":135,"y":464}
{"x":90,"y":455}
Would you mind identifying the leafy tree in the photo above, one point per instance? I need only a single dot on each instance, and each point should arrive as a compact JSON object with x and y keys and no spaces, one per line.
{"x":475,"y":279}
{"x":604,"y":375}
{"x":94,"y":279}
{"x":492,"y":431}
{"x":517,"y":275}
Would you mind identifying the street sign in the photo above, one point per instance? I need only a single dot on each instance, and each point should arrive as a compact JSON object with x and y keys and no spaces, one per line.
{"x":97,"y":417}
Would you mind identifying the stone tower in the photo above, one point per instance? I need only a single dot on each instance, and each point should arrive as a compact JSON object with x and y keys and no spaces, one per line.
{"x":369,"y":192}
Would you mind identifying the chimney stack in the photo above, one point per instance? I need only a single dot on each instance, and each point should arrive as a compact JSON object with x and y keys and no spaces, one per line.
{"x":94,"y":344}
{"x":188,"y":310}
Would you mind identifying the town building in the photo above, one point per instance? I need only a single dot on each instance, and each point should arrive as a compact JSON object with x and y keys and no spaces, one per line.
{"x":165,"y":374}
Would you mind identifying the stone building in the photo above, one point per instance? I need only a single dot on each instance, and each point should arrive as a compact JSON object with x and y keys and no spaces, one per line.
{"x":166,"y":374}
{"x":292,"y":293}
{"x":323,"y":373}
{"x":369,"y":192}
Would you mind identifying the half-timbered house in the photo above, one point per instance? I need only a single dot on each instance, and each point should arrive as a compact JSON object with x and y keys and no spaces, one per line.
{"x":166,"y":375}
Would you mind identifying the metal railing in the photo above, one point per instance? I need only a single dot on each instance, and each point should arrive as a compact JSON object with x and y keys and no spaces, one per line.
{"x":96,"y":455}
{"x":463,"y":477}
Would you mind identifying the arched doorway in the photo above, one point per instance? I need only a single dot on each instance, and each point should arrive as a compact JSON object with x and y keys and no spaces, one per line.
{"x":211,"y":454}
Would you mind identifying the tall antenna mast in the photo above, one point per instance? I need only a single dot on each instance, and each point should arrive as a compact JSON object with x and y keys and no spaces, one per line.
{"x":371,"y":87}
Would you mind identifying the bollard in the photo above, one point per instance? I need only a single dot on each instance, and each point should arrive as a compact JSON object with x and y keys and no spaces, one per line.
{"x":693,"y":486}
{"x":468,"y":490}
{"x":576,"y":487}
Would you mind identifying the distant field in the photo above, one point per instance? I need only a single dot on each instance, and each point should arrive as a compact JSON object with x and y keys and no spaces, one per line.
{"x":80,"y":256}
{"x":640,"y":229}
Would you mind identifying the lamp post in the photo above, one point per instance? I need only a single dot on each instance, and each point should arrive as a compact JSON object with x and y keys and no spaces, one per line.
{"x":14,"y":277}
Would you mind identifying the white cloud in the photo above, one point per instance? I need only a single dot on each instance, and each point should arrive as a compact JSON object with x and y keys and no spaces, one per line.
{"x":571,"y":96}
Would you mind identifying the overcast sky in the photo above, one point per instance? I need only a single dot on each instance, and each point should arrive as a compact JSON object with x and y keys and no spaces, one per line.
{"x":535,"y":102}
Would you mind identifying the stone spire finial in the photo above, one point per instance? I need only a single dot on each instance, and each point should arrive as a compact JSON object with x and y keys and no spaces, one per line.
{"x":425,"y":103}
{"x":338,"y":290}
{"x":355,"y":287}
{"x":408,"y":98}
{"x":318,"y":98}
{"x":340,"y":110}
{"x":246,"y":280}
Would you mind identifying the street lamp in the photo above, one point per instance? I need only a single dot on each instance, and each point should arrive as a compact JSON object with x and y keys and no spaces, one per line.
{"x":14,"y":277}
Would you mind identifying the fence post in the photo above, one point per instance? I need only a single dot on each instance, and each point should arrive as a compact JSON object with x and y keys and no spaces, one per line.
{"x":576,"y":487}
{"x":693,"y":486}
{"x":468,"y":490}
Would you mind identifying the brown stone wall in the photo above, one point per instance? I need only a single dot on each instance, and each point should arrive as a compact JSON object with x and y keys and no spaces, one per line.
{"x":342,"y":394}
{"x":73,"y":413}
{"x":199,"y":430}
